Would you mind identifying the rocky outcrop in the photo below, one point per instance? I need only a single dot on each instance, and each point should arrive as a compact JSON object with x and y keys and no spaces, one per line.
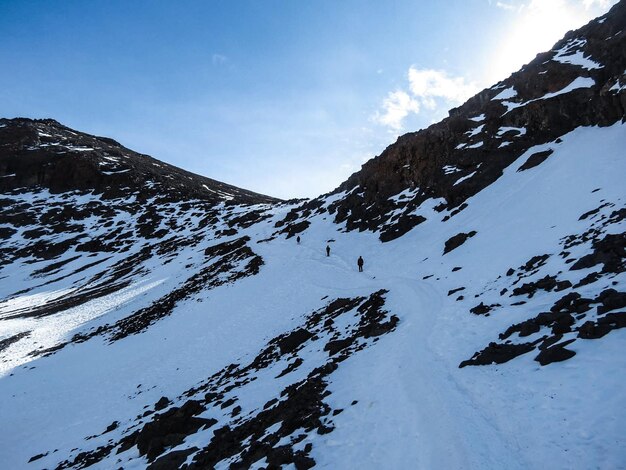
{"x":44,"y":153}
{"x":494,"y":128}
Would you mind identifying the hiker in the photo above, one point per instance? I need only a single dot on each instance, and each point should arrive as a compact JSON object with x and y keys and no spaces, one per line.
{"x":298,"y":239}
{"x":327,"y":250}
{"x":360,"y":263}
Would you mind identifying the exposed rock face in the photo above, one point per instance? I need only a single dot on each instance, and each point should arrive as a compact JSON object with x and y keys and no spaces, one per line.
{"x":44,"y":153}
{"x":580,"y":82}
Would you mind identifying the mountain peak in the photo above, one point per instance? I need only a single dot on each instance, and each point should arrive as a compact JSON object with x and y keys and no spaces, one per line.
{"x":45,"y":153}
{"x":581,"y":81}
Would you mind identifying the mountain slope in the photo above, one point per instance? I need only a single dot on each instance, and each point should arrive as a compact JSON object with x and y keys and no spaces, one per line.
{"x":166,"y":327}
{"x":580,"y":82}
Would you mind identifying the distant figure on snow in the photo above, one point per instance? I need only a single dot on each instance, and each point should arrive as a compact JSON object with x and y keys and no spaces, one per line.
{"x":298,"y":239}
{"x":360,"y":263}
{"x":327,"y":250}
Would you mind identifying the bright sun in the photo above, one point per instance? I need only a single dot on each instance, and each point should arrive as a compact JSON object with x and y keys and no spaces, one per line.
{"x":538,"y":25}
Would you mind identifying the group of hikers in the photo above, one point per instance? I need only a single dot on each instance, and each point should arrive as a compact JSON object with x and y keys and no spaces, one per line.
{"x":359,"y":261}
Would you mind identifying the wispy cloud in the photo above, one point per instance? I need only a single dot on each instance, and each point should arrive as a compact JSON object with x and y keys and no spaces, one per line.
{"x":505,"y":6}
{"x":428,"y":90}
{"x":597,"y":3}
{"x":396,"y":107}
{"x":432,"y":86}
{"x":219,"y":59}
{"x":542,"y":5}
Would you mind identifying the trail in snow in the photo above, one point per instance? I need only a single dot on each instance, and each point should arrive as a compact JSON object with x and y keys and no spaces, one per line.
{"x":415,"y":407}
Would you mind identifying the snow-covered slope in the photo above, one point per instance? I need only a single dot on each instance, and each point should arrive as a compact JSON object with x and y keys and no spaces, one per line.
{"x":144,"y":324}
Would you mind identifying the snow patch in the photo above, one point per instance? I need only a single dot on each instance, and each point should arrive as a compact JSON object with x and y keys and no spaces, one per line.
{"x":571,"y":54}
{"x":506,"y":94}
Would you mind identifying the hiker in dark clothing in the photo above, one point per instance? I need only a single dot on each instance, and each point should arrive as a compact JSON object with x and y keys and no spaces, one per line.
{"x":360,"y":263}
{"x":327,"y":250}
{"x":298,"y":239}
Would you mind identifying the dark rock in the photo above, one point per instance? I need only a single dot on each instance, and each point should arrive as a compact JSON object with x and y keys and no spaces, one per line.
{"x":172,"y":459}
{"x":114,"y":425}
{"x":61,"y":169}
{"x":497,"y":354}
{"x":454,"y":291}
{"x":293,"y":340}
{"x":482,"y":309}
{"x":170,"y":429}
{"x":588,"y":279}
{"x":547,"y":283}
{"x":400,"y":227}
{"x":592,"y":330}
{"x":534,"y":263}
{"x":37,"y":457}
{"x":535,"y":159}
{"x":333,"y":347}
{"x":556,"y":353}
{"x":610,"y":251}
{"x":611,"y":300}
{"x":162,"y":403}
{"x":457,"y":240}
{"x":592,"y":212}
{"x":565,"y":303}
{"x":5,"y":343}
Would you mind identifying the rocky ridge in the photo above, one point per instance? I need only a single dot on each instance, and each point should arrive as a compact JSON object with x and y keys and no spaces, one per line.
{"x":581,"y":81}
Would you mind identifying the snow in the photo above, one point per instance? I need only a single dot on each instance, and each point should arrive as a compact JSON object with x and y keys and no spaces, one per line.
{"x":578,"y":82}
{"x":406,"y":194}
{"x":476,"y":131}
{"x":578,"y":58}
{"x":475,"y":146}
{"x":520,"y":130}
{"x":79,"y":149}
{"x":222,"y":194}
{"x":48,"y":332}
{"x":617,"y":87}
{"x":449,"y":169}
{"x":571,"y":54}
{"x":478,"y":118}
{"x":506,"y":94}
{"x":460,"y":180}
{"x":416,"y":408}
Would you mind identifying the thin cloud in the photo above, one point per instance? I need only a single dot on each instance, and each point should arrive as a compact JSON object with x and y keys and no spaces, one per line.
{"x":598,"y":3}
{"x":219,"y":59}
{"x":540,"y":5}
{"x":429,"y":84}
{"x":396,"y":107}
{"x":429,"y":90}
{"x":505,"y":6}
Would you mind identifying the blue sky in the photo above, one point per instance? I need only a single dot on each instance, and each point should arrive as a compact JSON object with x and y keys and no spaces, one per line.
{"x":286,"y":98}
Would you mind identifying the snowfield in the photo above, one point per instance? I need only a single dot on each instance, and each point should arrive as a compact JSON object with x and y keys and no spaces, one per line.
{"x":404,"y":401}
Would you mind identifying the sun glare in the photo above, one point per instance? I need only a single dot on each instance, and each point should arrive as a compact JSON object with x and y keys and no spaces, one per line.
{"x":536,"y":27}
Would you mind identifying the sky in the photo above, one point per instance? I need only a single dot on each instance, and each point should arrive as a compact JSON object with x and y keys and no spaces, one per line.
{"x":286,"y":98}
